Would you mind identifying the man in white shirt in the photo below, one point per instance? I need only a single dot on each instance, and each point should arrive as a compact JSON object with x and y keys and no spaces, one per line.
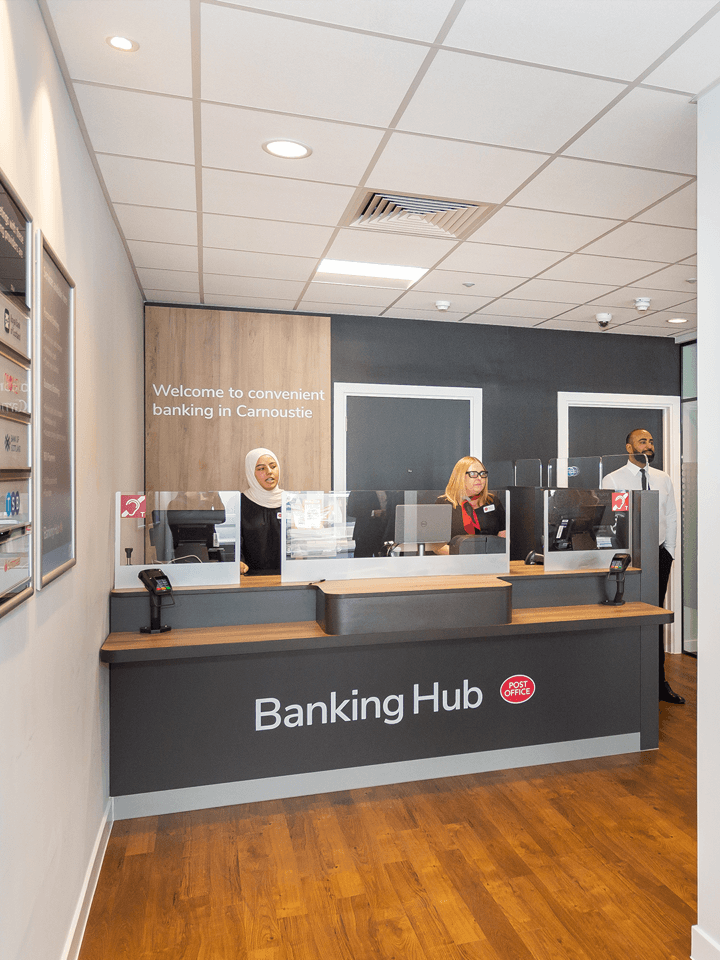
{"x":637,"y":474}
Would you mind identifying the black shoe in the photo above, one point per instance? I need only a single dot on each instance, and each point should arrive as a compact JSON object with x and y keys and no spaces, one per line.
{"x":668,"y":694}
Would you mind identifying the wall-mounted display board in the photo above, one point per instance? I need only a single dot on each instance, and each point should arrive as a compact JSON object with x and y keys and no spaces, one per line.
{"x":55,"y":405}
{"x":219,"y":383}
{"x":16,"y":389}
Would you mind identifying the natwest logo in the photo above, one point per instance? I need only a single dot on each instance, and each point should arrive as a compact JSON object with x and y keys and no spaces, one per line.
{"x":517,"y":689}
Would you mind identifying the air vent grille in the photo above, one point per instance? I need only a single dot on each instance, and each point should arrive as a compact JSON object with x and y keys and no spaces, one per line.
{"x":420,"y":215}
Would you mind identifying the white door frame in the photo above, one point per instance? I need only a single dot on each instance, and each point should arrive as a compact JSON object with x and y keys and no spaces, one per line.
{"x":670,"y":409}
{"x":341,"y":392}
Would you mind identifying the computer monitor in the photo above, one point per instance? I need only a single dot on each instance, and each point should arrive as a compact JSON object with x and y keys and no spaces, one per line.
{"x":191,"y":534}
{"x":423,"y":523}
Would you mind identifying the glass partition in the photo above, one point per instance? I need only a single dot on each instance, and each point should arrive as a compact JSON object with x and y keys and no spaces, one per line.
{"x":610,"y":462}
{"x":194,"y":537}
{"x":582,"y":473}
{"x":360,"y":534}
{"x":585,"y":528}
{"x":501,"y":473}
{"x":528,"y":473}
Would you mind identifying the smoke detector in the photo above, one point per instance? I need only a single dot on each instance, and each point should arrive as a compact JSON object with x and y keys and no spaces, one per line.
{"x":442,"y":304}
{"x":642,"y":303}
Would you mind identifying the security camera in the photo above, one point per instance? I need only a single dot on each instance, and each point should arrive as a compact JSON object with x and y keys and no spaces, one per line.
{"x":442,"y":304}
{"x":603,"y":320}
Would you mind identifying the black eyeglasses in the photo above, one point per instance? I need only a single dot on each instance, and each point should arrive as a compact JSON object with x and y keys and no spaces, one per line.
{"x":474,"y":474}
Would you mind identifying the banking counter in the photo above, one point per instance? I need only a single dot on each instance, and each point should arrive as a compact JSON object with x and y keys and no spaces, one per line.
{"x":351,"y":671}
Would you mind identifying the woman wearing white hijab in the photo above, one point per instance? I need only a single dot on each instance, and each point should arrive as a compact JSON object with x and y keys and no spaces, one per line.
{"x":260,"y":507}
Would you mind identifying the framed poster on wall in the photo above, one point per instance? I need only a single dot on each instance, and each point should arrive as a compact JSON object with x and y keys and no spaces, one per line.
{"x":16,"y":415}
{"x":55,"y":405}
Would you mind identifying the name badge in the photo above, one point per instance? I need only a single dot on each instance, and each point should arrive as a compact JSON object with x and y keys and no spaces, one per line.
{"x":279,"y":514}
{"x":488,"y":508}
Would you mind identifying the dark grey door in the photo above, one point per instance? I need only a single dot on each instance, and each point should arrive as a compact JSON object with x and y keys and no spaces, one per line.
{"x":601,"y":432}
{"x":404,"y":443}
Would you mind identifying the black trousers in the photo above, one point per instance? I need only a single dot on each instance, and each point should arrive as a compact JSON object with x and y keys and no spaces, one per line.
{"x":664,"y":567}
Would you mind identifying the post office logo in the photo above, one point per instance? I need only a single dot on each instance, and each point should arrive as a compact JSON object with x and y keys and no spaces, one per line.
{"x":517,"y":689}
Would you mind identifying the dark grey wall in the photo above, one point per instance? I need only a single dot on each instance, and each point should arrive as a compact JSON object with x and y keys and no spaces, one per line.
{"x":520,"y":371}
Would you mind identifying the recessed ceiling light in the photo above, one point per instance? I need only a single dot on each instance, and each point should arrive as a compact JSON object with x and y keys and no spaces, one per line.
{"x":678,"y":320}
{"x":287,"y":149}
{"x":385,"y":271}
{"x":124,"y":44}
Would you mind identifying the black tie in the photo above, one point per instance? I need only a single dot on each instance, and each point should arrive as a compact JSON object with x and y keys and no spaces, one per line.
{"x":644,"y":479}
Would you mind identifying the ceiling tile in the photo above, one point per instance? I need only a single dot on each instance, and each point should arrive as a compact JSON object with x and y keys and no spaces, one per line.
{"x":661,"y":318}
{"x":694,"y":66}
{"x":163,"y":256}
{"x":648,"y":128}
{"x":161,"y":27}
{"x":267,"y":265}
{"x":374,"y":246}
{"x":586,"y":314}
{"x":273,"y":198}
{"x":671,"y":278}
{"x":451,"y":170}
{"x":421,"y":300}
{"x":418,"y":19}
{"x":154,"y":223}
{"x":169,"y":280}
{"x":638,"y":329}
{"x":500,"y":321}
{"x":507,"y":261}
{"x":646,"y":240}
{"x":596,"y":189}
{"x":149,"y":183}
{"x":625,"y":297}
{"x":137,"y":124}
{"x":214,"y":283}
{"x":170,"y":296}
{"x":679,"y":210}
{"x":560,"y":290}
{"x":410,"y":313}
{"x":542,"y":229}
{"x":315,"y":306}
{"x":451,"y":282}
{"x":610,"y":39}
{"x":575,"y":326}
{"x":264,"y":236}
{"x":536,"y":309}
{"x":510,"y":107}
{"x":233,"y":138}
{"x":276,"y":64}
{"x":611,"y":270}
{"x":252,"y":303}
{"x":346,"y":293}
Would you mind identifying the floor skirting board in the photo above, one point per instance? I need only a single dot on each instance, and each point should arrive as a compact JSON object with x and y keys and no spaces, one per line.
{"x":73,"y":943}
{"x":703,"y":946}
{"x":330,"y":781}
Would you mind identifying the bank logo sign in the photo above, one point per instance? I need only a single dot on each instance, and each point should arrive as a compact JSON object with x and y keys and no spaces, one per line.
{"x":271,"y":713}
{"x":517,"y":689}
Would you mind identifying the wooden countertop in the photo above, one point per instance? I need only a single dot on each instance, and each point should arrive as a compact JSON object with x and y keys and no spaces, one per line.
{"x":280,"y":637}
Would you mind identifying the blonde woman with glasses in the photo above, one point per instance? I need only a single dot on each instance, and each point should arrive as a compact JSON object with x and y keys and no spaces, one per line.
{"x":475,"y":509}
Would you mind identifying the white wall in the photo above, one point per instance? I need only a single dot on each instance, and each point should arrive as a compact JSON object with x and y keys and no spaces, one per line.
{"x":53,"y":691}
{"x":706,"y":935}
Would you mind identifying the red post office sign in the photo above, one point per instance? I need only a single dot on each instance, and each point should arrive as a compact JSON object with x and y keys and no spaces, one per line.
{"x":517,"y":689}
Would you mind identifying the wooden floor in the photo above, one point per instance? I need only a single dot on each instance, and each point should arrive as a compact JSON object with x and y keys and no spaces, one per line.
{"x":590,"y":859}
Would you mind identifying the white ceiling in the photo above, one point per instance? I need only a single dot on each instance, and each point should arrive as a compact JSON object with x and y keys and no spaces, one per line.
{"x":572,"y":118}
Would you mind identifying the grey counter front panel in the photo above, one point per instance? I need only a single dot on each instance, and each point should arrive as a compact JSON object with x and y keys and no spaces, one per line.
{"x":185,"y":723}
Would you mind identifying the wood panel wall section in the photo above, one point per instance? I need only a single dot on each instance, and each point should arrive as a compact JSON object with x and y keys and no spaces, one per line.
{"x":199,"y":442}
